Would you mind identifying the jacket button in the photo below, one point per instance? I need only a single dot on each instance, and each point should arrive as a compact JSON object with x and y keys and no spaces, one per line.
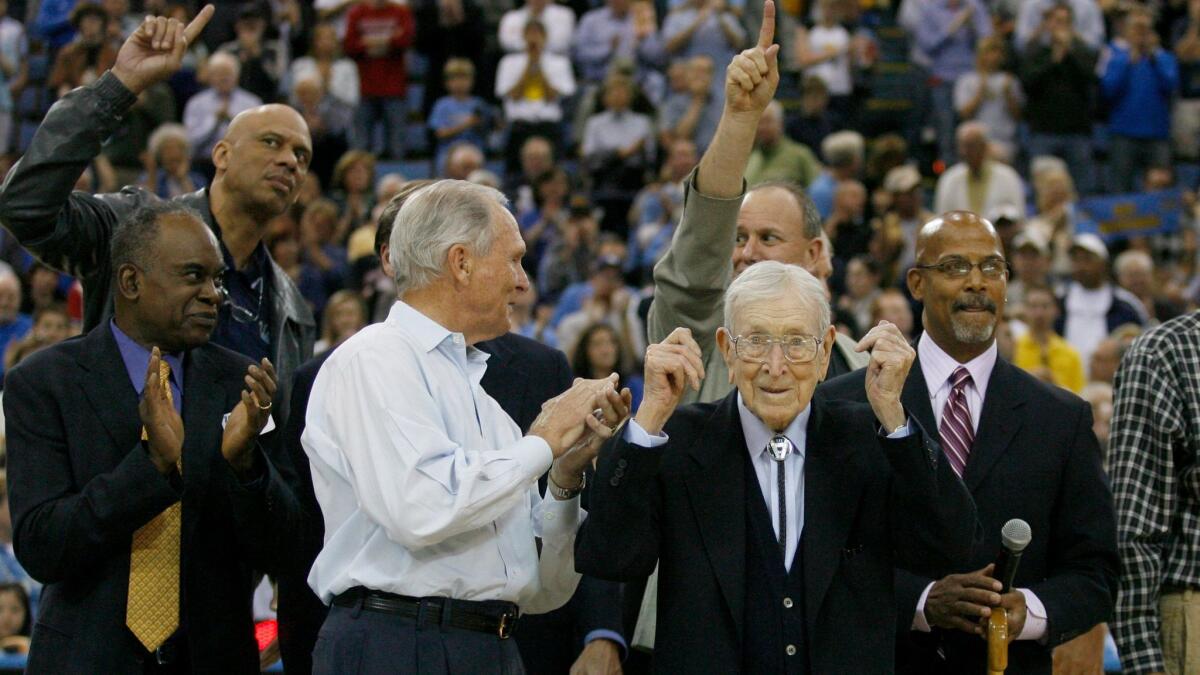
{"x":622,"y":463}
{"x":787,"y":603}
{"x":615,"y":481}
{"x":619,"y":473}
{"x":791,"y":650}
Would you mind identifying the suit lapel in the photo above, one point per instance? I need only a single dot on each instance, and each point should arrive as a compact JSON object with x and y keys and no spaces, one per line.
{"x":110,"y":391}
{"x":915,"y":398}
{"x":716,"y":490}
{"x":998,"y":423}
{"x":832,"y":487}
{"x":203,"y":403}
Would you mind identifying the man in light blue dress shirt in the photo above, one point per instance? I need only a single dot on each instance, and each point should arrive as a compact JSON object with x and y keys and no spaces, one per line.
{"x":428,"y":490}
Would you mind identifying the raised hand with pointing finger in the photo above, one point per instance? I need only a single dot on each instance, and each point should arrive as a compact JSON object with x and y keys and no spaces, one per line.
{"x":753,"y":75}
{"x":155,"y":50}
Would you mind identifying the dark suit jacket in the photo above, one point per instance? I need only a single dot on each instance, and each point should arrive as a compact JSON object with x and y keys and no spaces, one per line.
{"x":1035,"y":458}
{"x":521,"y":374}
{"x":870,"y":503}
{"x":81,"y":483}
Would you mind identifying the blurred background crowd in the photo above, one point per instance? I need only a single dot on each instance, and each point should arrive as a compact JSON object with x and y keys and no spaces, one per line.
{"x":589,"y":114}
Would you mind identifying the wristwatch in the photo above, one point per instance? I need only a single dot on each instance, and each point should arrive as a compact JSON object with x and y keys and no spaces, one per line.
{"x":560,"y":492}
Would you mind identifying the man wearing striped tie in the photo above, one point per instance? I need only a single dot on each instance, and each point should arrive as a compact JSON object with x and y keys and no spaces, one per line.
{"x":1025,"y":449}
{"x":143,"y":474}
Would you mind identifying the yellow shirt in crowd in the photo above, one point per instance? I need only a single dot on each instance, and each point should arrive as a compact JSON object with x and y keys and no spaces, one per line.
{"x":1064,"y":363}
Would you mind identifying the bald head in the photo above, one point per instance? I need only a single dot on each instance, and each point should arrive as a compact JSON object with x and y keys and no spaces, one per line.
{"x":949,"y":225}
{"x":271,"y":115}
{"x":262,"y":160}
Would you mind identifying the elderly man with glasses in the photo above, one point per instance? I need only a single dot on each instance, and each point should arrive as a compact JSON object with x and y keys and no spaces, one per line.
{"x":775,"y":516}
{"x":1025,"y":449}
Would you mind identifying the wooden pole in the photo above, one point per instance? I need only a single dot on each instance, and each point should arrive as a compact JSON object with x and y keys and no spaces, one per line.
{"x":997,"y":641}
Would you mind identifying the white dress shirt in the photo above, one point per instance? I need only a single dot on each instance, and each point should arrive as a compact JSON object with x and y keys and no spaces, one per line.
{"x":426,"y":485}
{"x":558,"y":20}
{"x":557,"y":71}
{"x":937,"y":366}
{"x":757,"y":435}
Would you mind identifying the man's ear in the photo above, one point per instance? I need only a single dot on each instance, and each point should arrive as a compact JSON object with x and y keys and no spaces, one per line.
{"x":826,"y":352}
{"x":725,"y":344}
{"x":220,"y":155}
{"x":460,"y":261}
{"x":916,"y":284}
{"x":816,"y":249}
{"x":129,"y":282}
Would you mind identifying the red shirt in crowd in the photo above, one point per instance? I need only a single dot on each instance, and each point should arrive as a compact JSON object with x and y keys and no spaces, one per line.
{"x":380,"y":75}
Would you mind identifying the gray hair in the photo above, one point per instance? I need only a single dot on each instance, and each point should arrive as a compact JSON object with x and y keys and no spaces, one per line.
{"x":1132,"y":258}
{"x":432,"y":221}
{"x":134,"y":238}
{"x":770,"y":280}
{"x":843,"y":148}
{"x":171,"y":131}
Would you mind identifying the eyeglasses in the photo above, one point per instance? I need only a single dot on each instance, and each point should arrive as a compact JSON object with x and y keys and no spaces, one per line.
{"x":240,"y":314}
{"x":757,"y":346}
{"x":957,"y":268}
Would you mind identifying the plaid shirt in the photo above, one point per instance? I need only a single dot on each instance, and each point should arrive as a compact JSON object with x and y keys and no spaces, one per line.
{"x":1155,"y":467}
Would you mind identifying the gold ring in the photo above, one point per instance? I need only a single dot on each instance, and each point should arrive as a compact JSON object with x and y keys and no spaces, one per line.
{"x":265,"y":407}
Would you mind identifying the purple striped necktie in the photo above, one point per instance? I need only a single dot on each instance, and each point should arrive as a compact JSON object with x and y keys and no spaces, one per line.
{"x":957,"y":433}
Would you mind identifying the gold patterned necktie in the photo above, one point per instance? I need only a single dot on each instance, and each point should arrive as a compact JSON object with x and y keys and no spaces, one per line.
{"x":152,"y":611}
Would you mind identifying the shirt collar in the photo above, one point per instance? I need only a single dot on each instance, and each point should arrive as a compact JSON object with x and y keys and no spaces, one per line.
{"x":938,"y":366}
{"x":758,"y":434}
{"x":428,"y":333}
{"x":137,"y":359}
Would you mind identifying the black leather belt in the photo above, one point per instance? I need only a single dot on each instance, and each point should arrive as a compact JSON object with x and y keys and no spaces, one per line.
{"x":495,"y":617}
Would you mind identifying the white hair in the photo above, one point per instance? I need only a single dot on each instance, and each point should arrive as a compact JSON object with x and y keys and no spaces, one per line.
{"x":228,"y":59}
{"x":1132,"y":258}
{"x":167,"y":132}
{"x":434,"y":219}
{"x":771,"y":280}
{"x":843,"y":148}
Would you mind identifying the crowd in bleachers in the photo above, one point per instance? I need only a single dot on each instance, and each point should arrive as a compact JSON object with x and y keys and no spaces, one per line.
{"x":590,"y":115}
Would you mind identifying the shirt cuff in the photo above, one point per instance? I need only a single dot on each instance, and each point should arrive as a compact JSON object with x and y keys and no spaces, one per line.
{"x":534,"y":455}
{"x":635,"y":434}
{"x":919,"y":623}
{"x":903,"y":432}
{"x":1036,"y":622}
{"x":558,"y":517}
{"x":606,"y":634}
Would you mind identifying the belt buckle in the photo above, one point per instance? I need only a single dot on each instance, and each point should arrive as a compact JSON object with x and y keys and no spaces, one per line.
{"x":504,"y":630}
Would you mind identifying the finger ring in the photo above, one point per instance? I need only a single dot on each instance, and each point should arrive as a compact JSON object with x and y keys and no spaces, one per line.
{"x":267,"y":406}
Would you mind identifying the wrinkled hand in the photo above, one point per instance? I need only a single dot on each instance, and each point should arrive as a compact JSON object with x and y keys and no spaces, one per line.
{"x":250,"y":416}
{"x":562,"y":421}
{"x":599,"y":657}
{"x":891,"y":359}
{"x":611,"y":411}
{"x":671,"y":366}
{"x":964,"y":601}
{"x":753,"y":75}
{"x":164,"y":426}
{"x":155,"y":50}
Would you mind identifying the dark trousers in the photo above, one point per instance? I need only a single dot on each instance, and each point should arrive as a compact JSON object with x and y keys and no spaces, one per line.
{"x":354,"y":640}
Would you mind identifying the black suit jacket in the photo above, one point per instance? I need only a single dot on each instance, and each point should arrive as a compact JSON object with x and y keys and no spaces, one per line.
{"x":81,"y":483}
{"x":1035,"y":458}
{"x":521,"y":374}
{"x":869,"y":503}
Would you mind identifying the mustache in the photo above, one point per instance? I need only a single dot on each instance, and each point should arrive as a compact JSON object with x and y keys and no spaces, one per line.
{"x":974,"y":302}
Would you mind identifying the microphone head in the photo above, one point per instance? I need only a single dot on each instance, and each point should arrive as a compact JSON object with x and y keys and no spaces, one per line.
{"x":1016,"y":535}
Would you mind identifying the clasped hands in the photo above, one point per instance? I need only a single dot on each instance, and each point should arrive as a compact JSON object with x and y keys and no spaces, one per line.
{"x":577,"y":422}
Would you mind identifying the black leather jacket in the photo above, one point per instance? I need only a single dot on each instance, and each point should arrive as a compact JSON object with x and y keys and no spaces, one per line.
{"x":71,"y":230}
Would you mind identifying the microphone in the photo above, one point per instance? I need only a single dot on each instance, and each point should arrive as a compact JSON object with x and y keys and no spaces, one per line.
{"x":1015,"y":536}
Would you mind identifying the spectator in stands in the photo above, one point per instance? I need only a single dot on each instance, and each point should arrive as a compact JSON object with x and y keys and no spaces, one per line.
{"x":43,"y":288}
{"x":814,"y":123}
{"x":1102,"y":367}
{"x":531,"y":318}
{"x":344,"y":316}
{"x":14,"y":73}
{"x":884,"y":153}
{"x":1058,"y":71}
{"x":558,"y":20}
{"x":208,"y":113}
{"x":458,"y":116}
{"x":352,"y":190}
{"x":51,"y":325}
{"x":571,"y":256}
{"x":693,"y":112}
{"x":16,"y":618}
{"x":462,"y":160}
{"x":1091,"y":306}
{"x":600,"y":351}
{"x":1185,"y":117}
{"x":330,"y":122}
{"x":843,"y":153}
{"x":1040,"y":350}
{"x":618,"y":151}
{"x":543,"y":225}
{"x":978,"y":183}
{"x":1086,"y":21}
{"x":895,"y":231}
{"x":992,"y":96}
{"x":892,"y":306}
{"x":1031,"y":267}
{"x":537,"y":157}
{"x":656,"y":209}
{"x":338,"y":74}
{"x":13,"y":324}
{"x":323,"y":265}
{"x":263,"y":62}
{"x":1134,"y":271}
{"x":169,"y":163}
{"x":532,"y":85}
{"x":1138,"y":82}
{"x":862,"y":288}
{"x":87,"y":56}
{"x":777,"y":157}
{"x":847,"y":226}
{"x":603,"y":297}
{"x":1054,"y":197}
{"x":948,"y":31}
{"x":378,"y":35}
{"x":614,"y":31}
{"x":826,"y":51}
{"x":119,"y":19}
{"x":1100,"y":396}
{"x":707,"y":27}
